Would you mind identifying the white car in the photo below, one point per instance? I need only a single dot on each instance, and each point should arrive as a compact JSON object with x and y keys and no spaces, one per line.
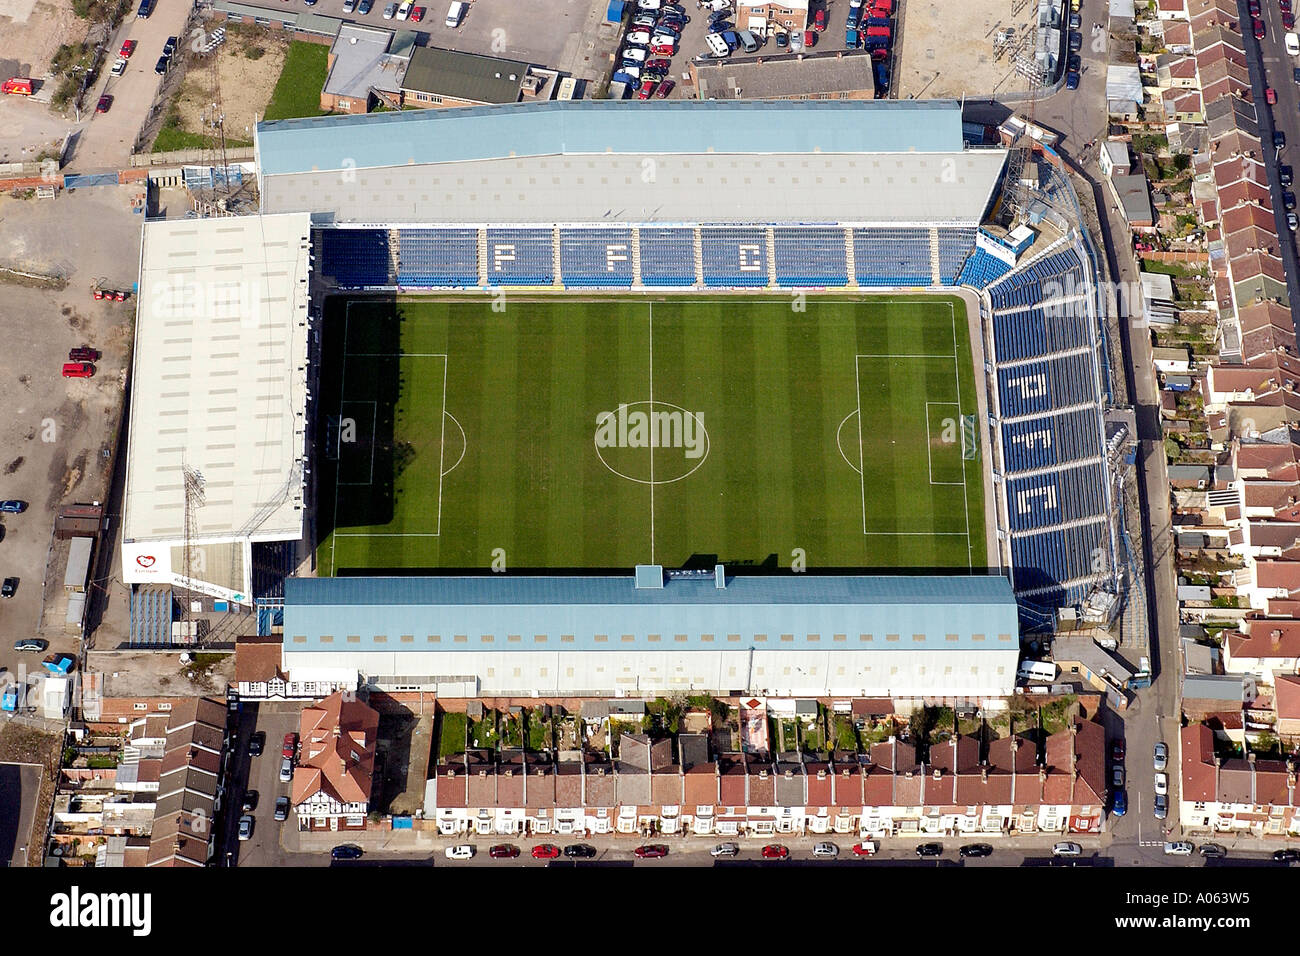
{"x":646,"y":20}
{"x":119,"y":67}
{"x":389,"y":11}
{"x":245,"y":827}
{"x":634,"y":53}
{"x":648,"y":4}
{"x":404,"y":10}
{"x":286,"y":769}
{"x":639,"y":38}
{"x":1162,"y":784}
{"x":349,"y":5}
{"x":1067,"y":849}
{"x":1181,"y":848}
{"x":1293,"y":44}
{"x":462,"y":851}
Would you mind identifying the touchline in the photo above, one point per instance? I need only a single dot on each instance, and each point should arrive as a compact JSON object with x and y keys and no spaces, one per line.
{"x":75,"y":909}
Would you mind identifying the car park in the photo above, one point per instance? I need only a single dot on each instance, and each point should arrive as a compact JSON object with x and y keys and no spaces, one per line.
{"x":503,"y":851}
{"x":245,"y":827}
{"x":347,"y":851}
{"x":1161,"y":807}
{"x":12,"y":506}
{"x":580,"y":851}
{"x":665,"y":87}
{"x":31,"y":644}
{"x":1209,"y":850}
{"x":390,"y":11}
{"x":865,"y":848}
{"x":826,"y":851}
{"x":976,"y":850}
{"x":1067,"y":849}
{"x":929,"y":849}
{"x":8,"y":589}
{"x":545,"y":851}
{"x":1288,"y":855}
{"x":653,"y":851}
{"x":775,"y":851}
{"x":461,"y":851}
{"x":725,"y":849}
{"x":282,"y":808}
{"x":1178,"y":848}
{"x":105,"y":103}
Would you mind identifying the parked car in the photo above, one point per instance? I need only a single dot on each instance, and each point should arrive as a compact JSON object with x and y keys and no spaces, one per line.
{"x":1161,"y":755}
{"x":646,"y":20}
{"x":639,"y":38}
{"x":647,"y":89}
{"x":1161,"y":808}
{"x":976,"y":849}
{"x":1208,"y":850}
{"x":461,"y":851}
{"x":347,"y":851}
{"x":390,"y":11}
{"x":365,"y":6}
{"x":652,"y":851}
{"x":725,"y":849}
{"x":455,"y":14}
{"x":417,"y":14}
{"x":648,"y":4}
{"x":169,"y":47}
{"x":31,"y":644}
{"x":128,"y":47}
{"x":255,"y":744}
{"x":634,"y":54}
{"x":78,"y":370}
{"x":13,"y":506}
{"x":826,"y":851}
{"x":1279,"y":139}
{"x":1162,"y":784}
{"x":809,"y":39}
{"x":1117,"y":778}
{"x":1179,"y":848}
{"x":1119,"y":804}
{"x":1076,"y":21}
{"x":1252,"y":6}
{"x":819,"y":21}
{"x":665,"y":87}
{"x":290,"y":745}
{"x":865,"y":848}
{"x":929,"y":849}
{"x":119,"y":67}
{"x":1292,"y":221}
{"x":282,"y":808}
{"x":245,"y":827}
{"x":545,"y":851}
{"x":1257,"y":27}
{"x":1072,"y":81}
{"x":1288,"y":20}
{"x":1076,"y":41}
{"x":580,"y":851}
{"x":349,"y":5}
{"x":1067,"y":849}
{"x":161,"y":66}
{"x":1284,"y":5}
{"x":663,"y":49}
{"x":1289,"y":855}
{"x":8,"y":589}
{"x":105,"y":103}
{"x":659,"y":63}
{"x":503,"y":851}
{"x":782,"y":41}
{"x":1117,"y":751}
{"x":1288,"y":199}
{"x":775,"y":851}
{"x":286,"y":770}
{"x":1074,"y":64}
{"x":249,"y":803}
{"x":404,"y":9}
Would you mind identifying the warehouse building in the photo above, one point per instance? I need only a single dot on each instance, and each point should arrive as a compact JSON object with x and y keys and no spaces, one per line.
{"x":925,"y":637}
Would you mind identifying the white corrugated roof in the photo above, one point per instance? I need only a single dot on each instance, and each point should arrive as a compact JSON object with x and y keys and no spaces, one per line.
{"x":219,"y":378}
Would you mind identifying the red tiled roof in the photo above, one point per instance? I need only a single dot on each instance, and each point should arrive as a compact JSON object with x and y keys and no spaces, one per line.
{"x":1286,"y":689}
{"x":338,"y":739}
{"x":1265,"y":638}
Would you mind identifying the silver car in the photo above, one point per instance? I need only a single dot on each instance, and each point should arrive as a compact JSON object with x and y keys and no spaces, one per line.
{"x":826,"y":851}
{"x":286,"y":770}
{"x":725,"y":849}
{"x":1161,"y":755}
{"x":389,"y":11}
{"x":1162,"y":806}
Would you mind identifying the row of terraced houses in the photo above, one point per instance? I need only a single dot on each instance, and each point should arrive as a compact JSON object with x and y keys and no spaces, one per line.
{"x":1017,"y":784}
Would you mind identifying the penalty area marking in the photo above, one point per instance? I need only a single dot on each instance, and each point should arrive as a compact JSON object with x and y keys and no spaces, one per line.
{"x":929,"y":440}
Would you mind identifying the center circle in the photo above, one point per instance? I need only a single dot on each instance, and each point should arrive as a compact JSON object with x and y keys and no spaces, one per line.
{"x":627,"y":436}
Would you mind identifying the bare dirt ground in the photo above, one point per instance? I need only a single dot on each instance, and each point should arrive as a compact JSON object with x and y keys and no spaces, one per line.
{"x":947,"y":49}
{"x":22,"y":744}
{"x":160,"y":673}
{"x":246,"y":82}
{"x":30,"y":32}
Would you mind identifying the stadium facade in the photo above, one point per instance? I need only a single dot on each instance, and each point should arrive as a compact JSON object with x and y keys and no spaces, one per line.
{"x":726,"y":196}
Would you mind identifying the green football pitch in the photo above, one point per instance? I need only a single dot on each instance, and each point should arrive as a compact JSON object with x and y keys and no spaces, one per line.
{"x":567,"y":433}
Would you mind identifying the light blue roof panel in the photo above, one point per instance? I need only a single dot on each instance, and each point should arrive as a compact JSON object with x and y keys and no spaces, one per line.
{"x":598,"y":126}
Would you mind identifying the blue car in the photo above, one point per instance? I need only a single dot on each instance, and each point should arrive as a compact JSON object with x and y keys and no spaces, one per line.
{"x":1120,"y":805}
{"x":13,"y":507}
{"x":1072,"y":81}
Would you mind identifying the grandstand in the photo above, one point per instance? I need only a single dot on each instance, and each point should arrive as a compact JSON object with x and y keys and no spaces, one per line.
{"x":746,"y":195}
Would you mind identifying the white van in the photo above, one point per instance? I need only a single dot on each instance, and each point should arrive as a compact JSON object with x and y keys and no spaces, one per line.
{"x":1037,"y":670}
{"x":1293,"y":44}
{"x":455,"y":13}
{"x":717,"y":46}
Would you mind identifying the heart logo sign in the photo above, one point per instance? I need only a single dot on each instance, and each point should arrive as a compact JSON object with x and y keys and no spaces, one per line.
{"x":145,"y":560}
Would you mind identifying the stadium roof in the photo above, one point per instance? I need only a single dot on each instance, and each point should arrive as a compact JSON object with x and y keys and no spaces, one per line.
{"x":655,"y":127}
{"x":543,"y":613}
{"x":219,"y":381}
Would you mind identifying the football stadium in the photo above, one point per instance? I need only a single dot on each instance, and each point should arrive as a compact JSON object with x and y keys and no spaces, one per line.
{"x":572,"y":340}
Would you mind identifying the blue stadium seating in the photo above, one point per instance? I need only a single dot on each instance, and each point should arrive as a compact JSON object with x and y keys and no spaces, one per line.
{"x":1057,"y":275}
{"x":955,"y":244}
{"x":1053,"y":557}
{"x":734,"y":256}
{"x":892,"y":257}
{"x":810,"y":256}
{"x":1054,"y":497}
{"x":443,"y":258}
{"x":667,"y":256}
{"x":1037,"y":332}
{"x":355,"y":257}
{"x":1046,"y":384}
{"x":600,"y":257}
{"x":1048,"y":440}
{"x":520,"y":256}
{"x":981,"y":269}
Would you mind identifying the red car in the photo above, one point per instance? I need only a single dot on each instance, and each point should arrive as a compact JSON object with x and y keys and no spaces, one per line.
{"x":105,"y":103}
{"x":864,"y":849}
{"x":503,"y":851}
{"x":127,"y":49}
{"x":652,"y":852}
{"x":819,"y":21}
{"x":665,"y":88}
{"x":1258,"y":27}
{"x":83,"y":353}
{"x":545,"y":851}
{"x":659,"y":64}
{"x":78,"y":370}
{"x":1284,"y":5}
{"x":1253,"y":7}
{"x":417,"y":14}
{"x":1288,"y":20}
{"x":663,"y":49}
{"x":647,"y":88}
{"x":775,"y":851}
{"x":290,"y":745}
{"x":1270,"y":95}
{"x":809,"y":39}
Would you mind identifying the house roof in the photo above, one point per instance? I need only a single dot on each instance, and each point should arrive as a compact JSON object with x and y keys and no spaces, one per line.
{"x":1265,"y":638}
{"x":338,"y":737}
{"x":472,"y":77}
{"x":1286,"y":696}
{"x":257,"y":659}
